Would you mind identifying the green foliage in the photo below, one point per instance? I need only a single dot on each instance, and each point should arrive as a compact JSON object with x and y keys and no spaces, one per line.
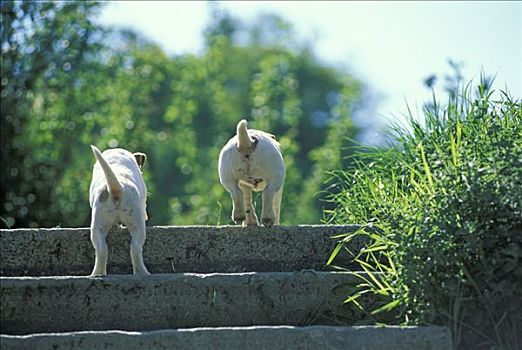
{"x":446,"y":200}
{"x":68,"y":83}
{"x":45,"y":46}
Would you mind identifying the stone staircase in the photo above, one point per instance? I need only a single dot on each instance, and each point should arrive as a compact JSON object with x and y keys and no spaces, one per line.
{"x":211,"y":288}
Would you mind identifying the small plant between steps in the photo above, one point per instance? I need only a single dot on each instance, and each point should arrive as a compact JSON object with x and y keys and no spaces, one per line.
{"x":446,"y":200}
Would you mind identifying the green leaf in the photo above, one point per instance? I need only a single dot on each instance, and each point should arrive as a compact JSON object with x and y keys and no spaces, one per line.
{"x":334,"y":253}
{"x":387,"y":307}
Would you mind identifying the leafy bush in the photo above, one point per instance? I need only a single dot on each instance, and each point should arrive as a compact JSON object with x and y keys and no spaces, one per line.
{"x":447,"y":201}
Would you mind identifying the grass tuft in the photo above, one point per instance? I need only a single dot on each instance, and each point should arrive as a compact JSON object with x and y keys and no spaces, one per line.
{"x":444,"y":213}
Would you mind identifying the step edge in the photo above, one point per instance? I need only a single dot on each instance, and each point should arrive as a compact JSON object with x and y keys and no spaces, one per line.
{"x":234,"y":328}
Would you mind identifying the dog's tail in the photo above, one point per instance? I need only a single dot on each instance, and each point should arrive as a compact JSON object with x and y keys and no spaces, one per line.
{"x":115,"y":188}
{"x":244,"y":141}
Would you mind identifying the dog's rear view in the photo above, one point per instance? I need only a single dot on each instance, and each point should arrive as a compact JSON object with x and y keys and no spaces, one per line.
{"x":118,"y":195}
{"x":252,"y":161}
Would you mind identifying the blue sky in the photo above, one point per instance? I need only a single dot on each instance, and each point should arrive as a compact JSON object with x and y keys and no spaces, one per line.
{"x":392,"y":46}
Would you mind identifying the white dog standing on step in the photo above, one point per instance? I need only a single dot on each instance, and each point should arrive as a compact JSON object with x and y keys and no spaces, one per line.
{"x":252,"y":161}
{"x":118,"y":195}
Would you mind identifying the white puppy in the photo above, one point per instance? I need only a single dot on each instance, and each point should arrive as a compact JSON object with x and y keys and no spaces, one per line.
{"x":252,"y":161}
{"x":118,"y":195}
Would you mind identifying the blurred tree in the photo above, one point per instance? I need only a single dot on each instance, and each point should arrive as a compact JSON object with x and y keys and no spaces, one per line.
{"x":67,"y":83}
{"x":44,"y":45}
{"x":287,"y":92}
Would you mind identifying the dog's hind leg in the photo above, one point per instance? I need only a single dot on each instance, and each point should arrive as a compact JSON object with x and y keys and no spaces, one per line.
{"x":277,"y":205}
{"x":99,"y":242}
{"x":136,"y":227}
{"x":251,"y":217}
{"x":267,"y":214}
{"x":238,"y":205}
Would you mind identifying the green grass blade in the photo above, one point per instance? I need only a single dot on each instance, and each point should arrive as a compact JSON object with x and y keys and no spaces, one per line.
{"x":334,"y":253}
{"x":389,"y":306}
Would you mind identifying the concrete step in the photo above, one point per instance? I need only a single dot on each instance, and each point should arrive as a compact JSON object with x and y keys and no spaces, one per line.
{"x":240,"y":338}
{"x":128,"y":302}
{"x":168,"y":249}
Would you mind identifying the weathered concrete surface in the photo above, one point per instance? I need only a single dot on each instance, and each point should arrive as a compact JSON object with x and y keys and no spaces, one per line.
{"x":128,"y":302}
{"x":68,"y":251}
{"x":271,"y":338}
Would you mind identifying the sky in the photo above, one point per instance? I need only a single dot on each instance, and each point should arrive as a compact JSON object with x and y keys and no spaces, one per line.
{"x":391,"y":46}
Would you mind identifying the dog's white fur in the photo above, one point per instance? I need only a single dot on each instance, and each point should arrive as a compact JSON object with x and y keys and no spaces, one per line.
{"x":118,"y":195}
{"x":252,"y":161}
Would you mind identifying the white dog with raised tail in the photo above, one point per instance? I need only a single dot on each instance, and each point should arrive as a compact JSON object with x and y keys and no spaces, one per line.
{"x":118,"y":196}
{"x":252,"y":161}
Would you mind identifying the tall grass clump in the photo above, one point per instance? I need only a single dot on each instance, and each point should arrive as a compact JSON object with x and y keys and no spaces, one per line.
{"x":443,"y":214}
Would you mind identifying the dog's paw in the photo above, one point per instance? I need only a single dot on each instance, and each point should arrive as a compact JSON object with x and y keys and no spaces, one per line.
{"x":268,"y":222}
{"x":93,"y":275}
{"x":238,"y":218}
{"x":251,"y":219}
{"x":250,"y":223}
